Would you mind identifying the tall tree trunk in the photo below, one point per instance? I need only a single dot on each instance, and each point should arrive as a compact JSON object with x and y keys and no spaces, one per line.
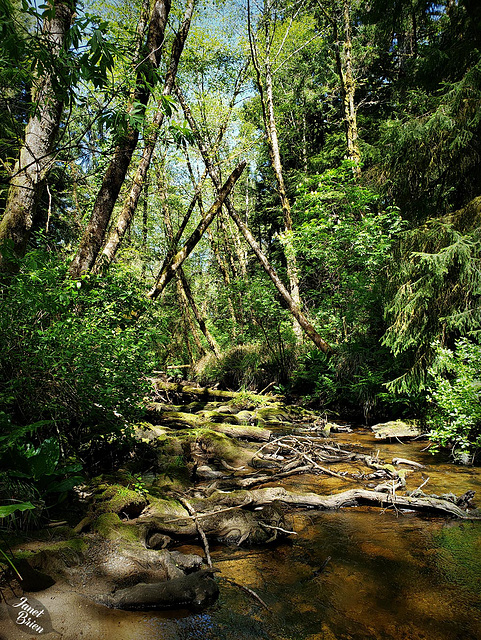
{"x":267,"y":102}
{"x":35,"y":158}
{"x":348,"y":84}
{"x":170,"y":267}
{"x":114,"y":177}
{"x":130,"y":205}
{"x":290,"y":302}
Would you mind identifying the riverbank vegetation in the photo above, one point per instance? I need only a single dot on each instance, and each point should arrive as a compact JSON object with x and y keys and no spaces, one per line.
{"x":281,"y":196}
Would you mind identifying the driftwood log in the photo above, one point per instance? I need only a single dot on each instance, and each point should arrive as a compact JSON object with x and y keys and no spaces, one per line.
{"x":257,"y":516}
{"x":194,"y":591}
{"x":352,"y":497}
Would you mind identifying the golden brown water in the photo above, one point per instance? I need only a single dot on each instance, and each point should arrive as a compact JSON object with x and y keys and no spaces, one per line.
{"x":391,"y":575}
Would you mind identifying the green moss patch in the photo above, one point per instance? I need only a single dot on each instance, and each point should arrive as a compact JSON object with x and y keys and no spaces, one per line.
{"x":111,"y":527}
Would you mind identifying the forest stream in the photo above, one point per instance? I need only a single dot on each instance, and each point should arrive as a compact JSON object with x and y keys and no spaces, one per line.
{"x":356,"y":573}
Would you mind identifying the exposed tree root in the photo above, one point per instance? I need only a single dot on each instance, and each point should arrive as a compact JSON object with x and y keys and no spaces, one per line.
{"x":352,"y":497}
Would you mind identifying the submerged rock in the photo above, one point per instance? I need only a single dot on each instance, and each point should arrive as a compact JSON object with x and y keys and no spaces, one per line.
{"x":397,"y":429}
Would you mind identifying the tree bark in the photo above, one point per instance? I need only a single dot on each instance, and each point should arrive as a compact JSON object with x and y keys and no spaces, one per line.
{"x":347,"y":83}
{"x":170,"y":267}
{"x":130,"y":205}
{"x":35,"y":158}
{"x":94,"y":234}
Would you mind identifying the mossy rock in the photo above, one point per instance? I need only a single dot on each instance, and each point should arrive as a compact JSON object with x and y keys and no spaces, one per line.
{"x":244,"y":417}
{"x":275,"y":414}
{"x":217,"y":445}
{"x":120,"y":500}
{"x":397,"y":429}
{"x":225,"y":408}
{"x":164,"y":507}
{"x":111,"y":527}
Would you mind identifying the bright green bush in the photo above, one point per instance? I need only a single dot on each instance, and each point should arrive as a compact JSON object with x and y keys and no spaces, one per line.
{"x":74,"y":353}
{"x":343,"y":244}
{"x":456,"y":397}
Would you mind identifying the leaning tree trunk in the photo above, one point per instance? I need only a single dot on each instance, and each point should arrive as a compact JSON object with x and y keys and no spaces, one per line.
{"x":267,"y":103}
{"x":35,"y":157}
{"x":114,"y":177}
{"x":170,"y":267}
{"x":125,"y":218}
{"x":186,"y":298}
{"x":306,"y":326}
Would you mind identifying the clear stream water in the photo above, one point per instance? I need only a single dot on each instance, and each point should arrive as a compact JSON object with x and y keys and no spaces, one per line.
{"x":391,"y":575}
{"x":400,"y":576}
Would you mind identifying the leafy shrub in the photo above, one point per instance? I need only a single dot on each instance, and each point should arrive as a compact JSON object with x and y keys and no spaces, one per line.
{"x":456,"y":397}
{"x":73,"y":353}
{"x":343,"y":245}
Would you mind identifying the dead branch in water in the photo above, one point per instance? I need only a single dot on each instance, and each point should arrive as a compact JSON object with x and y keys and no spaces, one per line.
{"x":352,"y":497}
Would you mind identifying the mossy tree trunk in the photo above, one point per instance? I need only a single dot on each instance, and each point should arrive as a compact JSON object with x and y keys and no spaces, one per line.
{"x":36,"y":157}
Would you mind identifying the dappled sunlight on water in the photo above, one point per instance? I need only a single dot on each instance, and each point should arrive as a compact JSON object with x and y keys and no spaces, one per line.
{"x":356,"y":574}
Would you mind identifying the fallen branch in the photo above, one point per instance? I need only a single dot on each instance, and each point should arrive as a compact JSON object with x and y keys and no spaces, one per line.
{"x":271,"y":526}
{"x":193,"y":514}
{"x":247,"y":590}
{"x":410,"y":463}
{"x":246,"y":483}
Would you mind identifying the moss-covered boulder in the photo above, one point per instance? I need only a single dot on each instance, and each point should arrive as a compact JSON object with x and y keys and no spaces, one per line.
{"x":273,"y":415}
{"x":111,"y":527}
{"x":120,"y":500}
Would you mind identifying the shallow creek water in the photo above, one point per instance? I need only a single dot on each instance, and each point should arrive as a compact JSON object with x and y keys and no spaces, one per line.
{"x":389,"y":575}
